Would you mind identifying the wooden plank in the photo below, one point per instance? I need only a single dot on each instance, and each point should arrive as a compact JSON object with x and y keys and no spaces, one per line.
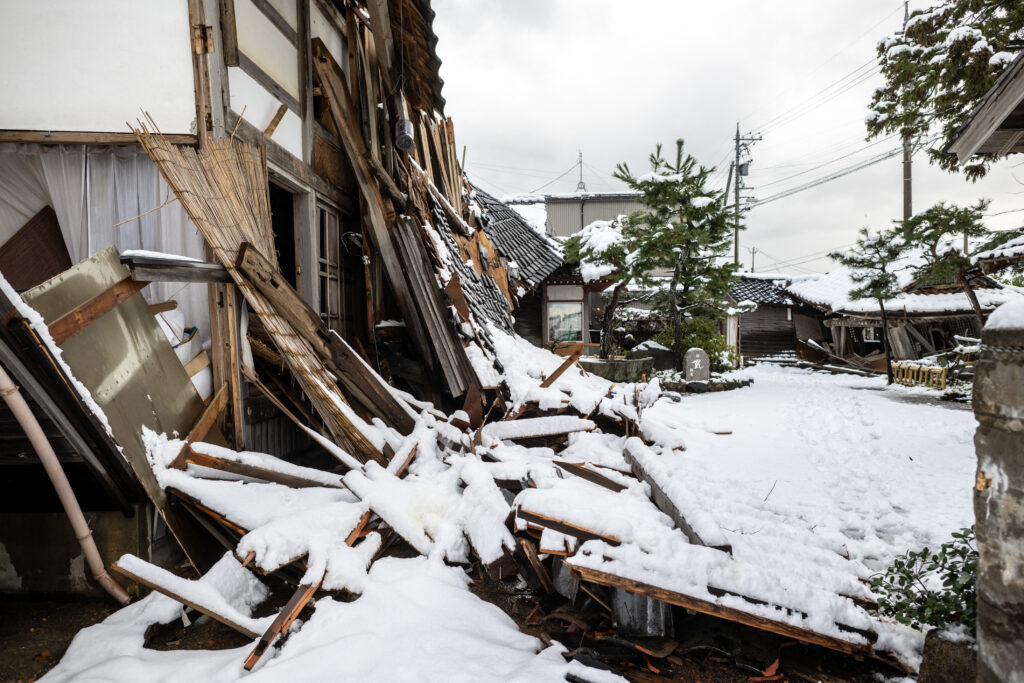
{"x":380,"y":23}
{"x":234,"y":375}
{"x":272,"y":126}
{"x":566,"y":364}
{"x":203,"y":425}
{"x":210,"y":512}
{"x":253,"y":471}
{"x":714,"y":609}
{"x":36,"y":252}
{"x":164,"y":307}
{"x":303,"y":594}
{"x":590,"y":475}
{"x":185,"y":601}
{"x":541,"y":572}
{"x":359,"y":382}
{"x":565,"y":527}
{"x":86,"y":313}
{"x":198,"y":363}
{"x":168,"y":270}
{"x":665,"y":503}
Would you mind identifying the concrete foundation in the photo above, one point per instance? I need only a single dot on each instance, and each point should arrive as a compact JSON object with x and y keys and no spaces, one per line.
{"x":39,"y":553}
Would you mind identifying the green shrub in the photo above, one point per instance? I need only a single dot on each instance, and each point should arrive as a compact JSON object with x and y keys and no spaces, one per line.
{"x":700,"y":333}
{"x":932,"y":588}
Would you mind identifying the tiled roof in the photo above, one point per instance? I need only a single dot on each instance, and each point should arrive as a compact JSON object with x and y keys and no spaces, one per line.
{"x":759,"y":291}
{"x":536,"y":254}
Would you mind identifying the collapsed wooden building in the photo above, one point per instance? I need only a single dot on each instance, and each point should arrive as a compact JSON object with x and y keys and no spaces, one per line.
{"x":926,"y":318}
{"x":263,"y":327}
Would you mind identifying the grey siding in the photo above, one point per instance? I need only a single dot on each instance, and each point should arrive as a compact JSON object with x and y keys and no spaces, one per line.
{"x":564,"y":217}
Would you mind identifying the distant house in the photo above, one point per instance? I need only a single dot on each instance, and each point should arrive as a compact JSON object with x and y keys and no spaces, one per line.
{"x":778,"y":323}
{"x":924,"y":319}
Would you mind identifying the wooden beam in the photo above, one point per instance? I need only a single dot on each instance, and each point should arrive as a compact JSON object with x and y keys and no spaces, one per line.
{"x":228,"y":32}
{"x":198,"y":363}
{"x":566,"y":364}
{"x":91,"y":310}
{"x":54,"y":137}
{"x":590,"y":475}
{"x":203,"y":425}
{"x":234,"y":375}
{"x":267,"y":81}
{"x":185,"y":601}
{"x":385,"y":42}
{"x":253,"y":471}
{"x":565,"y":527}
{"x":716,"y":610}
{"x":282,"y":25}
{"x":202,"y":45}
{"x":272,"y":126}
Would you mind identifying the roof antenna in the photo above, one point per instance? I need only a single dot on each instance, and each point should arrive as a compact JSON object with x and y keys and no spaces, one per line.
{"x":580,"y":186}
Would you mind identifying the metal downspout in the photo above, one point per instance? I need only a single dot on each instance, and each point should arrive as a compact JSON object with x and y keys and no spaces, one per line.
{"x":16,"y":402}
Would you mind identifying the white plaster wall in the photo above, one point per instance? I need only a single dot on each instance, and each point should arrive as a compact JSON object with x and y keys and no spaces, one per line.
{"x":260,"y":107}
{"x":266,"y":46}
{"x":321,"y":28}
{"x":70,"y":65}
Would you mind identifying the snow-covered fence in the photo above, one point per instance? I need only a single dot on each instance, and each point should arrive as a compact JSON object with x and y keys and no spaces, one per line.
{"x":915,"y":374}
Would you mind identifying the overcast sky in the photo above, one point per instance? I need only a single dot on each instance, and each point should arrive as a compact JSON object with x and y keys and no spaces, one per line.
{"x":529,"y":83}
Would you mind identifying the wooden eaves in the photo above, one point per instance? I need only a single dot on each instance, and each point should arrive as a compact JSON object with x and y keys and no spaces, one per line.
{"x":996,"y":126}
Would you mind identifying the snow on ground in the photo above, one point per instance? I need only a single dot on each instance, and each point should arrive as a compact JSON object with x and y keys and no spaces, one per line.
{"x":837,"y":450}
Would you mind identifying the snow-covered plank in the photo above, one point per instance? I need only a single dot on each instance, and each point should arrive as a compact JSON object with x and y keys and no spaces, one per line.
{"x":535,"y":427}
{"x":583,"y":472}
{"x":258,"y":466}
{"x":196,"y":594}
{"x":718,"y":610}
{"x":672,"y":497}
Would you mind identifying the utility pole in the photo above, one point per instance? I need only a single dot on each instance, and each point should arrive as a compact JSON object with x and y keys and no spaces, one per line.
{"x":753,"y":253}
{"x":741,"y":170}
{"x":908,"y":209}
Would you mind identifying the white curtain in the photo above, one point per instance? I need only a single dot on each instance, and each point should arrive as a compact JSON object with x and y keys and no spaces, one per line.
{"x":92,"y":189}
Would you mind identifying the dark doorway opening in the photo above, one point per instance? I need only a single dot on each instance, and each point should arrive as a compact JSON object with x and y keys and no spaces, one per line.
{"x":282,"y":217}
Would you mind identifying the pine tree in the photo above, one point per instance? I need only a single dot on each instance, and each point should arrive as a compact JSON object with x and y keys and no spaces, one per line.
{"x":684,"y":226}
{"x":937,"y":70}
{"x":938,"y":231}
{"x":873,"y":265}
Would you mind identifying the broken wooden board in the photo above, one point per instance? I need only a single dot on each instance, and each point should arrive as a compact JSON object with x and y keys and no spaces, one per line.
{"x":583,"y":472}
{"x":303,"y":594}
{"x":700,"y":528}
{"x":240,"y":467}
{"x":714,"y":609}
{"x":192,"y":593}
{"x":567,"y":528}
{"x":536,"y":427}
{"x":203,"y":425}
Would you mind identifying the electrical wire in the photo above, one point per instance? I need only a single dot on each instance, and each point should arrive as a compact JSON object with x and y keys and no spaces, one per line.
{"x":826,"y":163}
{"x":829,"y":178}
{"x":567,"y":172}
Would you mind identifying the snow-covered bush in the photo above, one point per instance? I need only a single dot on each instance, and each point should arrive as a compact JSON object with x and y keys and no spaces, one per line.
{"x":926,"y":588}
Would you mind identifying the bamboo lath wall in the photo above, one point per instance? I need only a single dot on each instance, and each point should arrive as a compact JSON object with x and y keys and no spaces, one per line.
{"x":223,"y":186}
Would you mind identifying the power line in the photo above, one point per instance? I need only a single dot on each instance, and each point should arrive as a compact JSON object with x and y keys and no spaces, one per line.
{"x":567,"y":172}
{"x":829,"y":178}
{"x":827,"y":163}
{"x":796,"y":115}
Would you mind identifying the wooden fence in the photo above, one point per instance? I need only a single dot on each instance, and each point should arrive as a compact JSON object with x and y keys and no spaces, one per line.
{"x":912,"y":374}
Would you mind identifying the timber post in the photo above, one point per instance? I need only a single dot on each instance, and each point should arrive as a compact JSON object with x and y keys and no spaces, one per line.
{"x":999,"y":503}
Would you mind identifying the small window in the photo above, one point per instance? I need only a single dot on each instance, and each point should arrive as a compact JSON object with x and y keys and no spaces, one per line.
{"x":872,"y":334}
{"x":329,"y":266}
{"x":565,"y":321}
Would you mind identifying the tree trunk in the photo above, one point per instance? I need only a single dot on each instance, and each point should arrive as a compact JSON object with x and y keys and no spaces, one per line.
{"x":677,"y":324}
{"x":885,"y":342}
{"x":973,"y":298}
{"x":609,"y":321}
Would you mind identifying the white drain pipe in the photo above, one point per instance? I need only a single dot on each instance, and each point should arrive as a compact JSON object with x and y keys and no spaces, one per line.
{"x":16,"y":402}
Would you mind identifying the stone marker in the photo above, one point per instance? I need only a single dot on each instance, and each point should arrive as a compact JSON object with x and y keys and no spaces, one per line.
{"x":698,"y":366}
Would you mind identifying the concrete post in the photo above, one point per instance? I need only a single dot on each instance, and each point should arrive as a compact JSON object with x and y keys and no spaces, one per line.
{"x":999,"y":503}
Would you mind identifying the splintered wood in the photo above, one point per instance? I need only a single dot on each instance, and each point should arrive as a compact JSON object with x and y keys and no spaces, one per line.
{"x":223,"y":188}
